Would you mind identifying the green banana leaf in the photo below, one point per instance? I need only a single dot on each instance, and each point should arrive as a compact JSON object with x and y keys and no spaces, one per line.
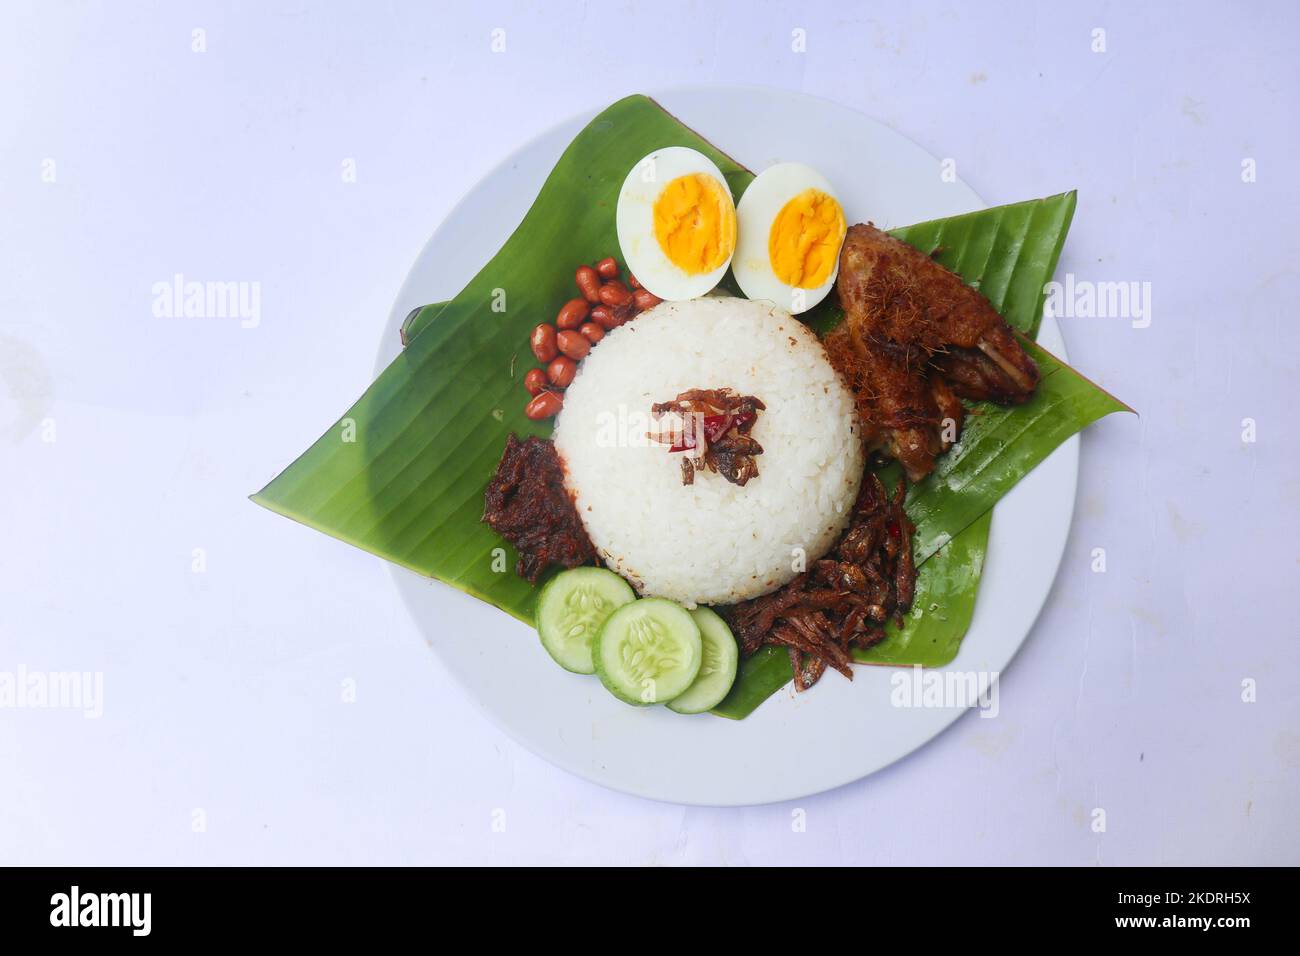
{"x":402,"y":472}
{"x":999,"y":446}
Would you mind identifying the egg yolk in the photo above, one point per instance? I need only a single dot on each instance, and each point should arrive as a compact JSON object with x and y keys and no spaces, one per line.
{"x":695,"y":223}
{"x":805,"y":239}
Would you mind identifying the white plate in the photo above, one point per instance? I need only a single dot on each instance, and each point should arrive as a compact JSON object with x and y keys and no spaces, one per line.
{"x":791,"y":746}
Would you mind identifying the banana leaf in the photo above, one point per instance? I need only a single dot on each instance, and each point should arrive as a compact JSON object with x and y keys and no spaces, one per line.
{"x":402,"y":473}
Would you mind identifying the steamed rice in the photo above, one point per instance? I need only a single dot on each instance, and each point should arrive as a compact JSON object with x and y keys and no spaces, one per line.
{"x":711,"y":542}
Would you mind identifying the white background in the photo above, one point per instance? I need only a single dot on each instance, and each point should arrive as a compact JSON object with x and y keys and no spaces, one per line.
{"x":222,"y":688}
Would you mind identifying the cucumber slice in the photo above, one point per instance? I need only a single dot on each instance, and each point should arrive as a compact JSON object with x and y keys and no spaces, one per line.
{"x":571,"y":609}
{"x":648,"y":652}
{"x":717,"y":665}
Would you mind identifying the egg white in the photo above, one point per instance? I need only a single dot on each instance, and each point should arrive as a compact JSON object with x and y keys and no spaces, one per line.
{"x":758,"y":209}
{"x":634,"y":220}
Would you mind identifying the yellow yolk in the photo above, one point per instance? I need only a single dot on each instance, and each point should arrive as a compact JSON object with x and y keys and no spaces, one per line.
{"x":805,"y":239}
{"x":695,"y":223}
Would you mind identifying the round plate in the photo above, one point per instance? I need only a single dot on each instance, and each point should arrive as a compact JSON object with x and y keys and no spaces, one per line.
{"x":792,"y":745}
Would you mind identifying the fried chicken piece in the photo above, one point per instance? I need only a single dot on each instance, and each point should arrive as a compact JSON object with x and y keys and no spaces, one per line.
{"x":900,"y":414}
{"x":908,"y":298}
{"x":915,"y":340}
{"x":997,"y":369}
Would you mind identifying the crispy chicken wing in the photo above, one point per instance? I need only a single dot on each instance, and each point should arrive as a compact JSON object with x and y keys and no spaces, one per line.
{"x":915,"y":340}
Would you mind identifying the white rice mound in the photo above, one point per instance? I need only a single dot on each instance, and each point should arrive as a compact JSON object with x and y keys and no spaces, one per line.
{"x":711,"y":542}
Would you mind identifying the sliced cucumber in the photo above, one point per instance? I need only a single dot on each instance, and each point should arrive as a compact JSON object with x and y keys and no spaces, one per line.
{"x":648,"y":652}
{"x":571,"y":609}
{"x":717,"y":665}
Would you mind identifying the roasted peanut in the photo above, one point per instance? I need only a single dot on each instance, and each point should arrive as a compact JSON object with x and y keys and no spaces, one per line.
{"x":592,"y":332}
{"x":607,"y":268}
{"x":561,"y":371}
{"x":631,"y":280}
{"x":572,"y":315}
{"x":542,"y":342}
{"x":645,"y":299}
{"x":588,"y":283}
{"x":603,"y":316}
{"x":623,"y":313}
{"x":615,"y":293}
{"x":535,"y":380}
{"x":544,"y":405}
{"x":573,"y":345}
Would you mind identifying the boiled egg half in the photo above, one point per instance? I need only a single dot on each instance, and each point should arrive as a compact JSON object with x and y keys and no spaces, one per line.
{"x":791,"y":230}
{"x":676,"y":223}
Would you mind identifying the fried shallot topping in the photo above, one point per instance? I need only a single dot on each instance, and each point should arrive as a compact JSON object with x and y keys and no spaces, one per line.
{"x":714,"y":426}
{"x":526,"y":504}
{"x":846,"y":599}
